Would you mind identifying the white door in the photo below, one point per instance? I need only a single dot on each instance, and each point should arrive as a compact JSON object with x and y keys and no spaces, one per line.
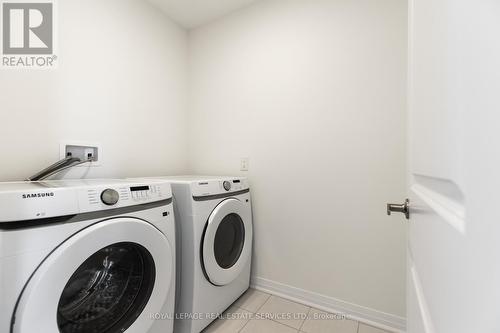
{"x":106,"y":278}
{"x":454,"y":166}
{"x":227,"y":242}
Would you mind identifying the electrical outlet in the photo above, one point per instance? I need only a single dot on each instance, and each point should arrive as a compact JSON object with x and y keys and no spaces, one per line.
{"x":83,"y":151}
{"x":244,"y":164}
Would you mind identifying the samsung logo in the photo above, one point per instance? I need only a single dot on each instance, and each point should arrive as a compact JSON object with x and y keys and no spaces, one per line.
{"x":38,"y":195}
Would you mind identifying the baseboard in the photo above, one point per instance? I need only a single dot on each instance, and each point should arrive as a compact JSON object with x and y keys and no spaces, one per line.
{"x":360,"y":313}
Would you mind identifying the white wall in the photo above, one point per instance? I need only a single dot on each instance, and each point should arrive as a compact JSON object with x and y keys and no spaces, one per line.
{"x":313,"y":92}
{"x":121,"y":82}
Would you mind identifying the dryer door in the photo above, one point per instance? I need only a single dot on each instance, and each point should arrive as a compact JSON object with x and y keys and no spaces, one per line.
{"x":227,"y":242}
{"x":109,"y":277}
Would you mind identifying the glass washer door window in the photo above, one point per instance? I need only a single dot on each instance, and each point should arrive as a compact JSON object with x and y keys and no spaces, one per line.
{"x":108,"y":291}
{"x":99,"y":280}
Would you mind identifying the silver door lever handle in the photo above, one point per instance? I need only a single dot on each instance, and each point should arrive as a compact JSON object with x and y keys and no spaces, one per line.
{"x":404,"y":208}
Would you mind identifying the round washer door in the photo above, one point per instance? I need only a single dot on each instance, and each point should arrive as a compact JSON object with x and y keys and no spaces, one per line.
{"x":227,"y":242}
{"x":100,"y":280}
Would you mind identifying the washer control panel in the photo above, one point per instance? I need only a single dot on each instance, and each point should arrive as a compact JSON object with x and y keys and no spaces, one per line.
{"x":39,"y":200}
{"x":121,"y":196}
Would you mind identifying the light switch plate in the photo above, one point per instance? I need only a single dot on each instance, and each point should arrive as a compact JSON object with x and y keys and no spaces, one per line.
{"x":244,"y":164}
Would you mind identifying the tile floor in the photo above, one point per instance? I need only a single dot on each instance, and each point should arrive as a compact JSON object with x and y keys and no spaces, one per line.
{"x":258,"y":312}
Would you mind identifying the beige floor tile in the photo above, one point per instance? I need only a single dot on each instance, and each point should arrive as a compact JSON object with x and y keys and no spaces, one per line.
{"x":369,"y":329}
{"x":284,"y":311}
{"x":266,"y":326}
{"x":324,"y":322}
{"x":252,"y":300}
{"x":233,"y":321}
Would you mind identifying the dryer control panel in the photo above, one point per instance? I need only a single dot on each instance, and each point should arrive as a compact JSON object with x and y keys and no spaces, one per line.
{"x":209,"y":187}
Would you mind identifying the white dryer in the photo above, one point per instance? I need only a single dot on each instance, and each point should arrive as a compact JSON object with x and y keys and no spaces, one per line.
{"x":214,"y":216}
{"x":86,"y":256}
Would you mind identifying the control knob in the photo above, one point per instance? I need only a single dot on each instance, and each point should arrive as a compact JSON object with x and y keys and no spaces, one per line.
{"x":109,"y":197}
{"x":227,"y":185}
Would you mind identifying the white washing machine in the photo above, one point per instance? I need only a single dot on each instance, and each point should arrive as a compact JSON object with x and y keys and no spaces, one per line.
{"x":87,"y":256}
{"x":214,"y":216}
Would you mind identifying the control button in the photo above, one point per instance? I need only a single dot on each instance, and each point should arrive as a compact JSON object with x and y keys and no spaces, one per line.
{"x":109,"y":197}
{"x":227,"y":185}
